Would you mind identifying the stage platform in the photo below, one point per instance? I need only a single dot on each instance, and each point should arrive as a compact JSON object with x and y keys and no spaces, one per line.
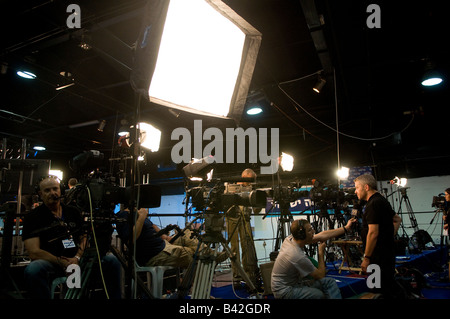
{"x":430,"y":263}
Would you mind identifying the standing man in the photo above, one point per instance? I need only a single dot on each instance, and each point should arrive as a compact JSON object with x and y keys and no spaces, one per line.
{"x":240,"y":231}
{"x":380,"y":223}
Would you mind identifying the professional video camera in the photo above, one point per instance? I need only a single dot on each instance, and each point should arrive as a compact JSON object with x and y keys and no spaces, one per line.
{"x":288,"y":193}
{"x":321,"y":192}
{"x":218,"y":195}
{"x":330,"y":193}
{"x":222,"y":195}
{"x":438,"y":201}
{"x":99,"y":193}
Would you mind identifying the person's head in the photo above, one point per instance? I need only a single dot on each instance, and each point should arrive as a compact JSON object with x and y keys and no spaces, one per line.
{"x":248,"y":173}
{"x":72,"y":182}
{"x":365,"y":186}
{"x":50,"y":190}
{"x":447,"y":194}
{"x":302,"y":230}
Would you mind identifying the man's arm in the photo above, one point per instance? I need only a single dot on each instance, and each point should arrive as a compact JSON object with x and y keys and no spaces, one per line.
{"x":33,"y":246}
{"x":142,"y":216}
{"x":371,"y":242}
{"x":320,"y":272}
{"x":332,"y":233}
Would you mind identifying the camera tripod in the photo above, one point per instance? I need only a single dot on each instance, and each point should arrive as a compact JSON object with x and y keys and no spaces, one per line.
{"x":201,"y":271}
{"x":284,"y":224}
{"x":405,"y":199}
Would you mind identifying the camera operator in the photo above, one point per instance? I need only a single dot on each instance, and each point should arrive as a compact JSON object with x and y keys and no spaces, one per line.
{"x":380,"y":224}
{"x":53,"y":238}
{"x":238,"y":220}
{"x":152,"y":250}
{"x":294,"y":275}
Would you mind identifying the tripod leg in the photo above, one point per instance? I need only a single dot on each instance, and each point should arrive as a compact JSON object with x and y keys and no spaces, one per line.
{"x":201,"y":288}
{"x":241,"y":270}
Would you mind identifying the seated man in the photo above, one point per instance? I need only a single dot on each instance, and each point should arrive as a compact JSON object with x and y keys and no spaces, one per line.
{"x":54,"y":237}
{"x":294,"y":276}
{"x":152,"y":250}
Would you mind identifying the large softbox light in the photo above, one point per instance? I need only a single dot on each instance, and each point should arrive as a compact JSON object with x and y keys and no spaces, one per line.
{"x":196,"y":56}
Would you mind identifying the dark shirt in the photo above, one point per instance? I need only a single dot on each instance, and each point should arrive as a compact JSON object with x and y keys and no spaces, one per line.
{"x":147,"y":245}
{"x":379,"y":211}
{"x":58,"y":236}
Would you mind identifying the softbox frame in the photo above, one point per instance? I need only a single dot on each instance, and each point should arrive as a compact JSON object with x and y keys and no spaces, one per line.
{"x":148,"y":44}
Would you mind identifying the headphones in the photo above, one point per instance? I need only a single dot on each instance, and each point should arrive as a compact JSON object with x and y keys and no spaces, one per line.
{"x":298,"y":229}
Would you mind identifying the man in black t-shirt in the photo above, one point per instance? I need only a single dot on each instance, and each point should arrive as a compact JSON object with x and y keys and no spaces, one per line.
{"x":150,"y":249}
{"x":380,"y":223}
{"x":52,"y":235}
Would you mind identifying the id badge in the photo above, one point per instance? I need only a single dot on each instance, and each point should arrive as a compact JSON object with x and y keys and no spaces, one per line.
{"x":68,"y":243}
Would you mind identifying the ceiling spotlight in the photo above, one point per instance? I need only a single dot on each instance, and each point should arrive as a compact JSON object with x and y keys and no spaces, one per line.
{"x":26,"y":74}
{"x":39,"y":148}
{"x":254,"y":110}
{"x":124,"y":128}
{"x":431,"y":77}
{"x":286,"y":162}
{"x":319,"y":85}
{"x":101,"y":126}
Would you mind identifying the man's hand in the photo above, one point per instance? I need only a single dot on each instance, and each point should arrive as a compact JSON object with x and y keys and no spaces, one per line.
{"x":364,"y":264}
{"x":350,"y":223}
{"x":322,"y":247}
{"x":142,"y":213}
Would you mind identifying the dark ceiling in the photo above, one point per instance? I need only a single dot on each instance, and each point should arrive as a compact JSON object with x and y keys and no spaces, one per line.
{"x":372,"y":110}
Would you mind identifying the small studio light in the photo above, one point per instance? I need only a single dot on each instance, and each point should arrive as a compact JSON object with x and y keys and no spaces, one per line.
{"x":124,"y":128}
{"x":431,"y":76}
{"x":26,"y":74}
{"x":286,"y":162}
{"x":39,"y":148}
{"x":101,"y":126}
{"x":401,"y":182}
{"x":343,"y":172}
{"x":150,"y":136}
{"x":319,"y":85}
{"x":254,"y":110}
